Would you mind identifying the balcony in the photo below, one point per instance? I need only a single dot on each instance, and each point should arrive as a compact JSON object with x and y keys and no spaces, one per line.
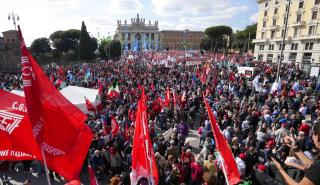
{"x":310,"y":37}
{"x":259,"y":40}
{"x":298,"y":24}
{"x":275,"y":27}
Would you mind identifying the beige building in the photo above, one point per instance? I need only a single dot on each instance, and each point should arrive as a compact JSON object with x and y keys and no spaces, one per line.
{"x":10,"y":39}
{"x":178,"y":39}
{"x":302,"y":41}
{"x":138,"y":34}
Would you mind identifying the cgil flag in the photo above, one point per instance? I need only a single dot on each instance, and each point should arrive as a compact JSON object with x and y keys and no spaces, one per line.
{"x":228,"y":163}
{"x":115,"y":129}
{"x":143,"y":160}
{"x":167,"y":98}
{"x":57,"y":125}
{"x":93,"y":180}
{"x":15,"y":130}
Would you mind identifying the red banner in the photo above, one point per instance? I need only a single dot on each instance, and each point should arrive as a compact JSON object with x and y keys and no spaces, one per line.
{"x":229,"y":164}
{"x":143,"y":160}
{"x":16,"y":138}
{"x":57,"y":124}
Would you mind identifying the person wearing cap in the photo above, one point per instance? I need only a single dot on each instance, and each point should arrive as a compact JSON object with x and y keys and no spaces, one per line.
{"x":241,"y":164}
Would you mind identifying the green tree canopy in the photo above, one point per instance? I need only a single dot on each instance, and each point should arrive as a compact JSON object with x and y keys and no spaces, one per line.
{"x":243,"y":37}
{"x":87,"y":45}
{"x":64,"y":41}
{"x":113,"y":48}
{"x":102,"y":45}
{"x":218,"y":37}
{"x":40,"y":45}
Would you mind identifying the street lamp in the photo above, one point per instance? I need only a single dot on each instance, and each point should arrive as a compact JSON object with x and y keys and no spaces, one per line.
{"x":283,"y":40}
{"x":15,"y":18}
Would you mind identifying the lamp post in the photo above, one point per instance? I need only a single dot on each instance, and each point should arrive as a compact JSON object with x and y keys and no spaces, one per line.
{"x":283,"y":40}
{"x":15,"y":18}
{"x":185,"y":43}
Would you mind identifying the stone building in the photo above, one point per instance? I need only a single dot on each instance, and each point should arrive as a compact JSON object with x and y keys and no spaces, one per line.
{"x":10,"y":38}
{"x":179,"y":39}
{"x":302,"y":39}
{"x":138,"y":34}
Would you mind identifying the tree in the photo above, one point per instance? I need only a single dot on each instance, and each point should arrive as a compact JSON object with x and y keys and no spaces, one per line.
{"x":219,"y":36}
{"x":85,"y":46}
{"x":40,"y":45}
{"x":102,"y":45}
{"x":242,"y":38}
{"x":66,"y":41}
{"x":113,"y":49}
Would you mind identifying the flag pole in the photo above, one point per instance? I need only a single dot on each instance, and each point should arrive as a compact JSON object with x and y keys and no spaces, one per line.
{"x":45,"y":166}
{"x":224,"y":172}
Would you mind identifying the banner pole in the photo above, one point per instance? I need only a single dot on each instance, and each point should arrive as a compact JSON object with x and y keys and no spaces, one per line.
{"x":45,"y":166}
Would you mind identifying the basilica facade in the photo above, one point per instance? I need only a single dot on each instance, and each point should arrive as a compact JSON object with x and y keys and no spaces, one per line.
{"x":138,"y":35}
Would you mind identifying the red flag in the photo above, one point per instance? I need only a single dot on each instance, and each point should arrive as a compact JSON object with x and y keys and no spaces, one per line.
{"x":89,"y":105}
{"x":143,"y":160}
{"x":126,"y":133}
{"x":231,"y":170}
{"x":15,"y":130}
{"x":174,"y":98}
{"x":58,"y":125}
{"x":115,"y":129}
{"x":93,"y":180}
{"x":167,"y":100}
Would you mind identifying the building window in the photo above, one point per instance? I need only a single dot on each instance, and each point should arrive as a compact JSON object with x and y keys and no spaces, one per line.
{"x":299,"y":16}
{"x":301,"y":4}
{"x":12,"y":40}
{"x":262,"y":35}
{"x":295,"y":32}
{"x":282,"y":33}
{"x":274,"y":22}
{"x":287,"y":8}
{"x":284,"y":20}
{"x":294,"y":46}
{"x":314,"y":15}
{"x":272,"y":34}
{"x":264,"y":23}
{"x":8,"y":40}
{"x":266,"y":5}
{"x":275,"y":11}
{"x":280,"y":46}
{"x":308,"y":46}
{"x":265,"y":13}
{"x":271,"y":47}
{"x":317,"y":2}
{"x":312,"y":30}
{"x":277,"y":2}
{"x":261,"y":47}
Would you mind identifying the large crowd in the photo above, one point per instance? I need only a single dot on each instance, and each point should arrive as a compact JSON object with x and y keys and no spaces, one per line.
{"x":258,"y":121}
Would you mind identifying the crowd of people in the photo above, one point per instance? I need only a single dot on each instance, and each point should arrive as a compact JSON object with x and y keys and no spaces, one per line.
{"x":273,"y":131}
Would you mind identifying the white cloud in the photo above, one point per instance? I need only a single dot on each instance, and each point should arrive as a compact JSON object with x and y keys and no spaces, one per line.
{"x":192,"y":8}
{"x":121,"y":7}
{"x":254,"y":17}
{"x":202,"y":22}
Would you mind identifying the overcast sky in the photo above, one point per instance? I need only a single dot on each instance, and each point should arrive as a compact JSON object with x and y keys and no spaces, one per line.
{"x":40,"y":18}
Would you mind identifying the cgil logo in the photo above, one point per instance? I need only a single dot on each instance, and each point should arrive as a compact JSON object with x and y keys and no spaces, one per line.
{"x":19,"y":106}
{"x":9,"y":121}
{"x":26,"y":71}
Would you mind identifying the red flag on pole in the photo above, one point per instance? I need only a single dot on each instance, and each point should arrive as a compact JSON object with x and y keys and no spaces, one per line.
{"x":15,"y":130}
{"x":93,"y":180}
{"x":229,"y":164}
{"x":58,"y":125}
{"x":143,"y":160}
{"x":167,"y":100}
{"x":89,"y":105}
{"x":174,"y":98}
{"x":115,"y":129}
